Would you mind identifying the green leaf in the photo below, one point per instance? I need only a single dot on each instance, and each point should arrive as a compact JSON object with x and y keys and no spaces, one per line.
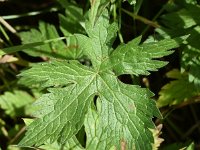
{"x":53,"y":49}
{"x":27,"y":121}
{"x":28,"y":46}
{"x":108,"y":128}
{"x":55,"y":73}
{"x":1,"y":53}
{"x":68,"y":105}
{"x":191,"y":146}
{"x":178,"y":18}
{"x":16,"y":103}
{"x":45,"y":32}
{"x":71,"y":144}
{"x":183,"y":19}
{"x":73,"y":17}
{"x":191,"y":63}
{"x":177,"y":91}
{"x":124,"y":62}
{"x":123,"y":113}
{"x":101,"y":36}
{"x":137,"y":6}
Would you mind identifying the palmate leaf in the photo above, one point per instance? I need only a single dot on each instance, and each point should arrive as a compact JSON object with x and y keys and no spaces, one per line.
{"x":124,"y":112}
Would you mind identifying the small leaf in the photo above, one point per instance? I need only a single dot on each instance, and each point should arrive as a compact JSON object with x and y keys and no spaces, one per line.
{"x":73,"y":17}
{"x":177,"y":91}
{"x":16,"y":103}
{"x":70,"y":144}
{"x":55,"y":48}
{"x":27,"y":121}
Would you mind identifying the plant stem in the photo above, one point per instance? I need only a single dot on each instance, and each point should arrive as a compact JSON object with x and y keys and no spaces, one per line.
{"x":34,"y":13}
{"x":191,"y":130}
{"x":22,"y":130}
{"x":174,"y":127}
{"x":195,"y":116}
{"x":113,"y":7}
{"x":3,"y":42}
{"x":8,"y":26}
{"x":5,"y":132}
{"x":119,"y":23}
{"x":5,"y":82}
{"x":167,"y":113}
{"x":156,"y":16}
{"x":171,"y":133}
{"x":5,"y":35}
{"x":142,"y":19}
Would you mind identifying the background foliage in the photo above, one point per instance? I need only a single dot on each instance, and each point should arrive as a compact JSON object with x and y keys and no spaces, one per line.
{"x":176,"y":86}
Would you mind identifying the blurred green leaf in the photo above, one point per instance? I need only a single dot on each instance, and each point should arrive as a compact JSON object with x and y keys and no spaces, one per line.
{"x":16,"y":103}
{"x":2,"y":53}
{"x":177,"y":91}
{"x":28,"y":46}
{"x":57,"y":49}
{"x":183,"y":18}
{"x":73,"y":21}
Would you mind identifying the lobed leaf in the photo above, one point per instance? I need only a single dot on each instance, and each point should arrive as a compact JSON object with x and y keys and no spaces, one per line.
{"x":55,"y":73}
{"x":123,"y":113}
{"x":120,"y":117}
{"x":136,"y":59}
